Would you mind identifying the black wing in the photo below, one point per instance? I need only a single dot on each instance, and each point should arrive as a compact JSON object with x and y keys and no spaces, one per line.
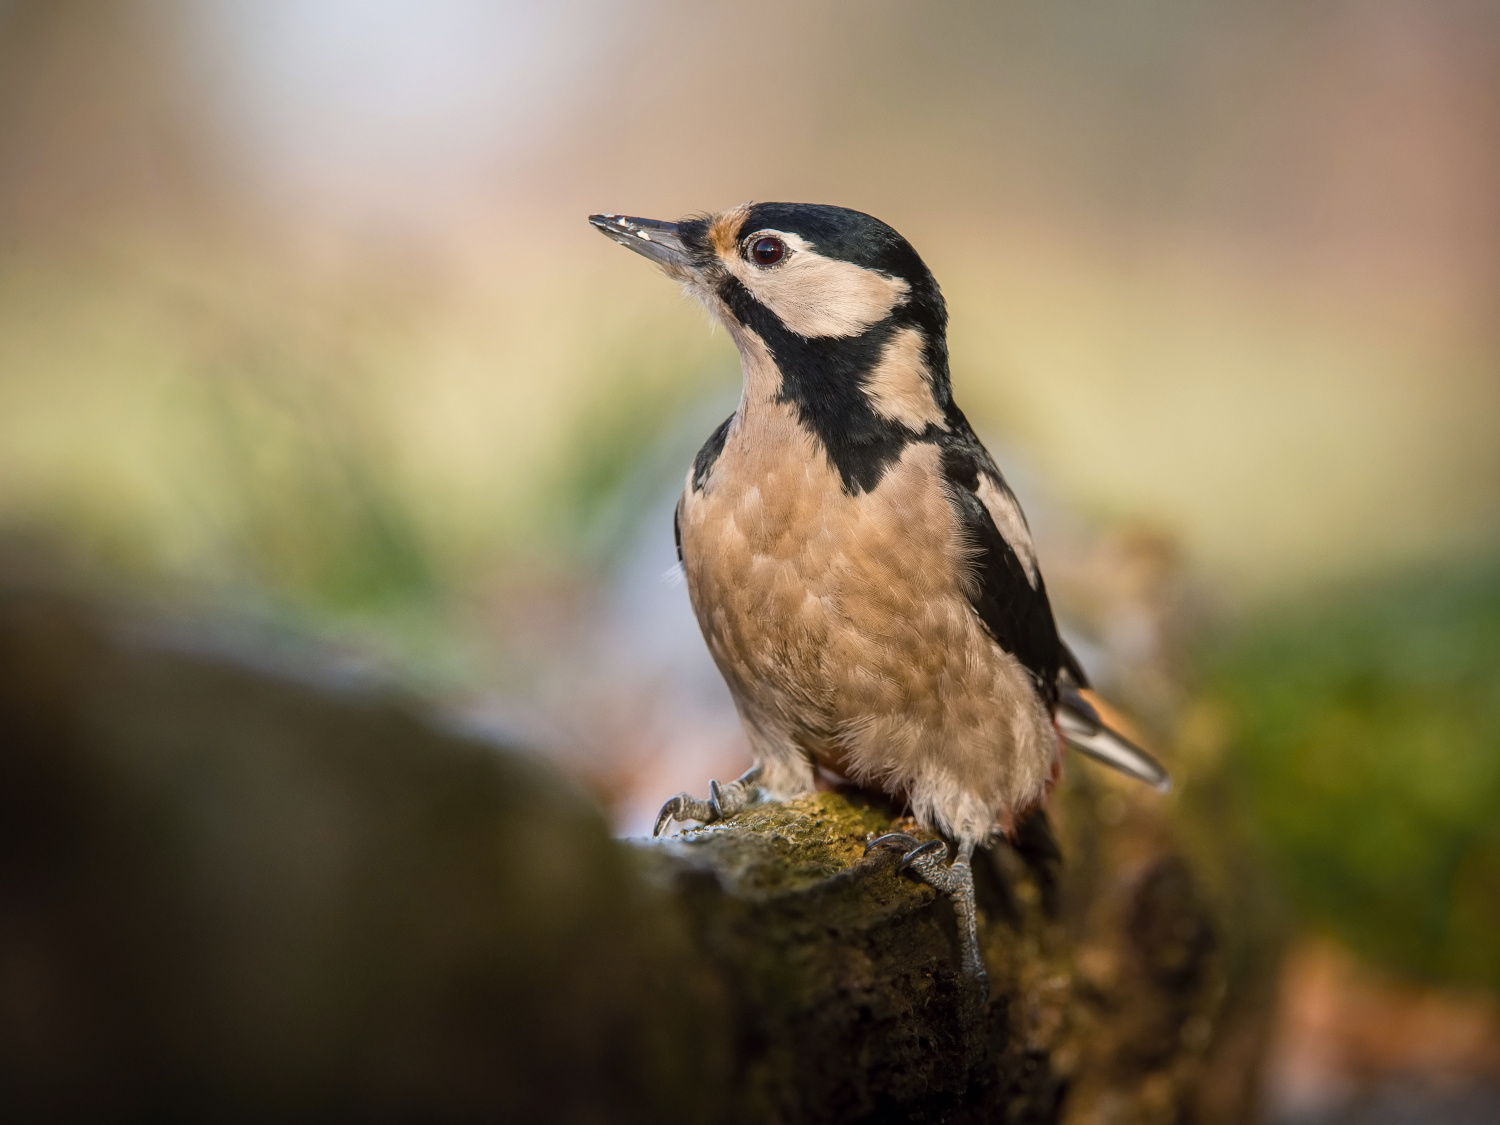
{"x":1016,"y":613}
{"x":1019,"y":616}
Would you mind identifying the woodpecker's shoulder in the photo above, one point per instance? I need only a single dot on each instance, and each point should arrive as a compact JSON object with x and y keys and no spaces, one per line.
{"x":703,"y":463}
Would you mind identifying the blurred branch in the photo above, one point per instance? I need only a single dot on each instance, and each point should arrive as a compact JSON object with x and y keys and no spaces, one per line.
{"x":229,"y":892}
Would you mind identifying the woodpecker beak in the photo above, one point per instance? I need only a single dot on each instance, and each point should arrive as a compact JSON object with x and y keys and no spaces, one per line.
{"x":647,"y":237}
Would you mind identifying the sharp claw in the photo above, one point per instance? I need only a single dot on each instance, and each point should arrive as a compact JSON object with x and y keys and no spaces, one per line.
{"x":714,"y":800}
{"x":668,"y":811}
{"x":920,"y":850}
{"x":891,"y":839}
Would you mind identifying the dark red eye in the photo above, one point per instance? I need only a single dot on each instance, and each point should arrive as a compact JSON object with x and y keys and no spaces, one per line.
{"x":768,"y":251}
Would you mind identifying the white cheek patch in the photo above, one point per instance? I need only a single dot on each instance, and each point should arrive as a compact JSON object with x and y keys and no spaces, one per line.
{"x":900,"y":387}
{"x":1006,"y":513}
{"x":817,"y":296}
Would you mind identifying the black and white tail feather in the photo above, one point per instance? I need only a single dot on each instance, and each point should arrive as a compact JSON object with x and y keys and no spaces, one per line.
{"x":1087,"y":733}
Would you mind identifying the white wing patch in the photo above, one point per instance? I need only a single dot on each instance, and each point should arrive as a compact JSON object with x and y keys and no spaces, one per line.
{"x":1006,"y":513}
{"x":900,"y":387}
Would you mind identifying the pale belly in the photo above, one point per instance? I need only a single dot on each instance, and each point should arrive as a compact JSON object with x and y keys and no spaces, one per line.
{"x":842,"y":629}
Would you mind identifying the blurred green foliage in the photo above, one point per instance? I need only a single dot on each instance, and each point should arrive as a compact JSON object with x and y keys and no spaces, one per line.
{"x":628,"y":447}
{"x":1368,"y":737}
{"x":302,"y":489}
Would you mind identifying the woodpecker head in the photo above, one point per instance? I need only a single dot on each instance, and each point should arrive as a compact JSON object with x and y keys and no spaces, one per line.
{"x":833,"y":312}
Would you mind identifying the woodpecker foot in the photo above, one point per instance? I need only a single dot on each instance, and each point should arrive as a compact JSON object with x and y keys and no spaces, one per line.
{"x":955,"y":880}
{"x":723,"y":801}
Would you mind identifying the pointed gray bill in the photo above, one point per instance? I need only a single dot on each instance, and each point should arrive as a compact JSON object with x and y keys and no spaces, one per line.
{"x":647,"y":237}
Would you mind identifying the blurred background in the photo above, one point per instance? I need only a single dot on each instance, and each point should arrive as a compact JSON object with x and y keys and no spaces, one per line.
{"x":301,"y":326}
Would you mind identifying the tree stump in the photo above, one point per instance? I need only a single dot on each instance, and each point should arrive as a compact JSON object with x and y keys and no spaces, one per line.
{"x":229,"y":893}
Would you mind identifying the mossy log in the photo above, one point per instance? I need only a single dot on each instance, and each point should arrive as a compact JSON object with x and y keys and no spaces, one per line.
{"x":228,"y":893}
